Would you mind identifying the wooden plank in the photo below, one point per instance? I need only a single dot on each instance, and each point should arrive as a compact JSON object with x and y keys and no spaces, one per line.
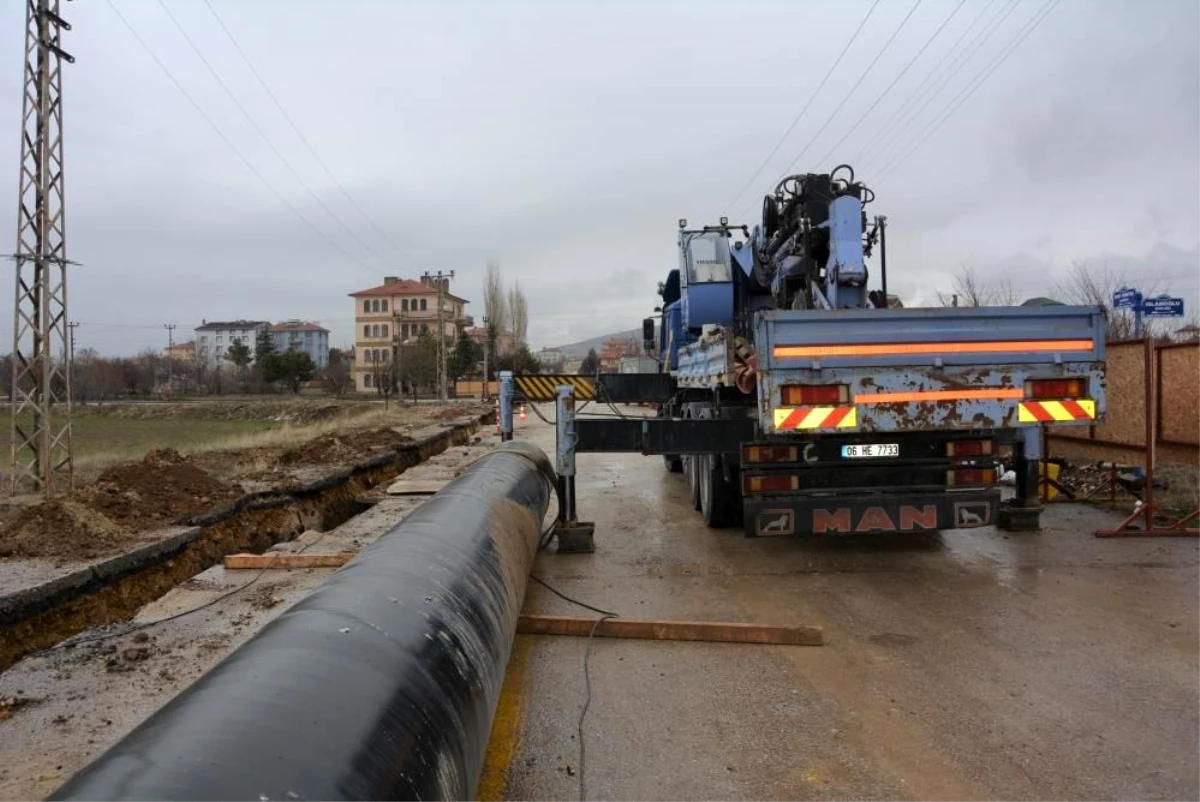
{"x":712,"y":631}
{"x":279,"y":559}
{"x":416,"y":487}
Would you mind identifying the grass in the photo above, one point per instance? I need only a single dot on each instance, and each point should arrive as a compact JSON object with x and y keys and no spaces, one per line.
{"x":97,"y":440}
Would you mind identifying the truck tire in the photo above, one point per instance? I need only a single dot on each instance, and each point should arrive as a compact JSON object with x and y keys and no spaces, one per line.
{"x":673,"y":463}
{"x":718,"y":502}
{"x":692,"y":469}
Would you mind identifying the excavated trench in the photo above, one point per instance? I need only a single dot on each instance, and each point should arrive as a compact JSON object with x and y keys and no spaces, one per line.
{"x":113,"y":590}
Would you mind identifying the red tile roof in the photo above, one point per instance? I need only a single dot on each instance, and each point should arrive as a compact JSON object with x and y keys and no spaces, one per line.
{"x":404,"y":287}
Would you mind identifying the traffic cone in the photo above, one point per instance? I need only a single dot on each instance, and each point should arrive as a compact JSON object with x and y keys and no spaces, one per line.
{"x":522,"y":413}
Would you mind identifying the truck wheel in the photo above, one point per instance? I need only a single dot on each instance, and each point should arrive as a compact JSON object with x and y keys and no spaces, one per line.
{"x":673,"y":463}
{"x":692,"y":468}
{"x":718,"y":504}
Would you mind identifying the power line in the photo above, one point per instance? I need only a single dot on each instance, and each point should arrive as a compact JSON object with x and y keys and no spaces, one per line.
{"x":854,"y":126}
{"x":299,"y":134}
{"x":217,"y":76}
{"x":953,"y":71}
{"x":291,"y":207}
{"x":799,"y":115}
{"x":971,"y":88}
{"x":787,"y":170}
{"x":907,"y":104}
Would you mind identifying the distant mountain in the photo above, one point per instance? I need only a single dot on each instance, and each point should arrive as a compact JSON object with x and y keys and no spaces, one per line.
{"x":581,"y":348}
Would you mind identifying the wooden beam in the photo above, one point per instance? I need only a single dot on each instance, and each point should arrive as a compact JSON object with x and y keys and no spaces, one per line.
{"x":712,"y":631}
{"x":279,"y":559}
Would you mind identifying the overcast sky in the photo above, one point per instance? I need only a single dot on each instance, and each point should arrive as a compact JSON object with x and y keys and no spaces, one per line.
{"x":566,"y":139}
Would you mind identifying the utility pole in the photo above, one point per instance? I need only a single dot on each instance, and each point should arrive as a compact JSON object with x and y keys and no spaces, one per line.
{"x":71,"y":354}
{"x":442,"y":280}
{"x":484,"y":393}
{"x":41,"y":366}
{"x":170,"y":327}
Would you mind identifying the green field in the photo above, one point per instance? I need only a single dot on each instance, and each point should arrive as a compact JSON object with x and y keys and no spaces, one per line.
{"x":102,"y":438}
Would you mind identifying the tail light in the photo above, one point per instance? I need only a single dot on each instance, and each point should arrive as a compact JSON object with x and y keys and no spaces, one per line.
{"x":771,"y":453}
{"x":807,"y":395}
{"x":1055,"y":388}
{"x":770,"y":483}
{"x":970,"y":477}
{"x":969,"y":448}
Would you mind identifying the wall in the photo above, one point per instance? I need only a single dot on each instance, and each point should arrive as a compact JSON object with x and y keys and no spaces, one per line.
{"x":1175,"y":375}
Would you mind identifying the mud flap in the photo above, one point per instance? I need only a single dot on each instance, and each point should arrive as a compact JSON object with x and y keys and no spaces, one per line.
{"x":793,"y":515}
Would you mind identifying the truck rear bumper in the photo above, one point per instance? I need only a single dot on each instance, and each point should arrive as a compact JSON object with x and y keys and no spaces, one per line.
{"x":866,"y":513}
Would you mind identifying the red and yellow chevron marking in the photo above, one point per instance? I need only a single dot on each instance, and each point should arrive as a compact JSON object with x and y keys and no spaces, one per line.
{"x":816,"y":417}
{"x":1068,"y":409}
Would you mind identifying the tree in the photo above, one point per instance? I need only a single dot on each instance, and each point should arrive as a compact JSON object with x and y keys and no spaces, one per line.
{"x":1091,"y":285}
{"x":466,"y":355}
{"x":239,"y":355}
{"x":418,"y":363}
{"x":292,"y":366}
{"x":339,"y":371}
{"x":494,"y":306}
{"x":591,"y":363}
{"x":518,"y":314}
{"x":263,"y":344}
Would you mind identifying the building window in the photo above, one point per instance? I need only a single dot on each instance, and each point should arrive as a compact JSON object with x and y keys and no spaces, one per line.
{"x":424,"y":328}
{"x":366,"y":306}
{"x":404,"y":332}
{"x":385,"y":330}
{"x":366,"y":331}
{"x":423,"y":305}
{"x":404,"y":304}
{"x":385,"y":305}
{"x":367,"y":380}
{"x":386,"y":356}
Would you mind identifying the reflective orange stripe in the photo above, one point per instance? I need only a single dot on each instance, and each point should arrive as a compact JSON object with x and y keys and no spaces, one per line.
{"x":938,"y":395}
{"x":885,"y":349}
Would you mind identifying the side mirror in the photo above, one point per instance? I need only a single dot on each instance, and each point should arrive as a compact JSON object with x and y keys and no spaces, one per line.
{"x":648,"y":334}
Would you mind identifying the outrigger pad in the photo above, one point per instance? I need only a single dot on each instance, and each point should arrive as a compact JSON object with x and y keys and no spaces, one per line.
{"x":1019,"y":519}
{"x":575,"y":537}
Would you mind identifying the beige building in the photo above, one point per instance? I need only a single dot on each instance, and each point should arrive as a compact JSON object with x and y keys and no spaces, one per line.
{"x":395,"y":312}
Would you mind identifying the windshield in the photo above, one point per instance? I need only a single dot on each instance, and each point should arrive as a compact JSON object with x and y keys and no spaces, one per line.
{"x":708,"y":258}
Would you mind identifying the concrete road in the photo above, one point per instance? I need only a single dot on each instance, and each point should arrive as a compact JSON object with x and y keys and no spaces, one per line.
{"x":960,"y":665}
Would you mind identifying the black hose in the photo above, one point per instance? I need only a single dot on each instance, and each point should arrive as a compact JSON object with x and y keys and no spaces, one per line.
{"x":381,"y":684}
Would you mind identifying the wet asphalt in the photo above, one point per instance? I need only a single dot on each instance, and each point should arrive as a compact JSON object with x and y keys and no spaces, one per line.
{"x":960,"y":665}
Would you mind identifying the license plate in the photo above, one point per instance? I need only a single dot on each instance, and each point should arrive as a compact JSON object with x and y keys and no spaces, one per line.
{"x":868,"y":450}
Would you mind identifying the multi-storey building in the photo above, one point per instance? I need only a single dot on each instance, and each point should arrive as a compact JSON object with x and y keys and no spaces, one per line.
{"x":213,"y":339}
{"x":395,"y":312}
{"x":302,"y":335}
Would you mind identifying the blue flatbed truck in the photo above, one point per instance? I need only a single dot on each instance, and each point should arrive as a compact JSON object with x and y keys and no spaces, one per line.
{"x":797,"y":400}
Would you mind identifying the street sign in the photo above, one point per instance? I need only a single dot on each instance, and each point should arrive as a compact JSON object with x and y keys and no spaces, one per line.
{"x":1163,"y":306}
{"x":1127,"y":298}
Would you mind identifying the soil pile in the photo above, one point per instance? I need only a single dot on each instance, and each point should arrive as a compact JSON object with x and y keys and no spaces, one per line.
{"x":61,"y":530}
{"x":344,"y":447}
{"x":162,"y":488}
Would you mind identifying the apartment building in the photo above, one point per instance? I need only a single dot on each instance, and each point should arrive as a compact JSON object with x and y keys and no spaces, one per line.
{"x":181,"y":352}
{"x":213,"y":339}
{"x":302,"y":335}
{"x":396,"y":311}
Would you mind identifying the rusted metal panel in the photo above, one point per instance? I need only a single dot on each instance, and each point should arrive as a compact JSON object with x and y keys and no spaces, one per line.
{"x":709,"y":362}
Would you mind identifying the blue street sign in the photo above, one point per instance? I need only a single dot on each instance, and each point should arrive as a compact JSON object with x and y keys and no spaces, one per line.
{"x":1127,"y":298}
{"x":1163,"y":306}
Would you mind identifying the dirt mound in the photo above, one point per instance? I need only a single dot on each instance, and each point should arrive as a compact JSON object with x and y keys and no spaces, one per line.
{"x":162,"y":488}
{"x":61,"y":530}
{"x":343,"y":447}
{"x":277,"y":410}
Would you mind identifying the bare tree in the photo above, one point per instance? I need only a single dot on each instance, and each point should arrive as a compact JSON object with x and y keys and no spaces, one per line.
{"x":494,"y":305}
{"x":1093,"y":286}
{"x":518,"y":310}
{"x":969,"y":290}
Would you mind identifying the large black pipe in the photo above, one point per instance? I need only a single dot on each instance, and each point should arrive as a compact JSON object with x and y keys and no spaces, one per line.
{"x":381,"y":684}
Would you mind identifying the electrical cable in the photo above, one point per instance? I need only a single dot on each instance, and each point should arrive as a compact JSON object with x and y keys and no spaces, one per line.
{"x":587,"y":702}
{"x":316,"y":157}
{"x":787,"y":170}
{"x":952,"y":71}
{"x":565,"y":597}
{"x":971,"y":88}
{"x":907,"y":104}
{"x":258,"y":174}
{"x":854,"y":127}
{"x":803,"y":109}
{"x":254,"y":124}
